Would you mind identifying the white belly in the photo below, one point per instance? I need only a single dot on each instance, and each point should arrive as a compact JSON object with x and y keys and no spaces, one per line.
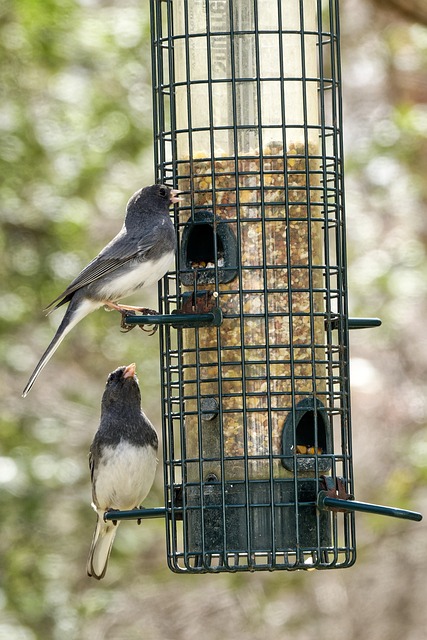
{"x":144,"y":274}
{"x":125,"y":476}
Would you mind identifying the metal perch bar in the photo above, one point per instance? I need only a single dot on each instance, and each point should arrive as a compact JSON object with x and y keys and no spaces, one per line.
{"x":177,"y":320}
{"x":214,"y":319}
{"x":324,"y":502}
{"x":135,"y":514}
{"x":363,"y":323}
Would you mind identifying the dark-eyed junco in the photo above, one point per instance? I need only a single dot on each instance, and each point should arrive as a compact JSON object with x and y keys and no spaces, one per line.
{"x":123,"y":459}
{"x":138,"y":256}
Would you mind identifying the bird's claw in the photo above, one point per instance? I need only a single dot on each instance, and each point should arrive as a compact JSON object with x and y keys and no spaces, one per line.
{"x":139,"y":520}
{"x":149,"y":312}
{"x":124,"y":327}
{"x":113,"y":521}
{"x":150,"y":332}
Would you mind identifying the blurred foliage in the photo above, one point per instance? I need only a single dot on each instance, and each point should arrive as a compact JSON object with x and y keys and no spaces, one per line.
{"x":76,"y":130}
{"x":75,"y":121}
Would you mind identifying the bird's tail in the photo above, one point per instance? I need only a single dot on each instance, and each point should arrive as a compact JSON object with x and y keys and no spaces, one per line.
{"x":100,"y":549}
{"x":78,"y":308}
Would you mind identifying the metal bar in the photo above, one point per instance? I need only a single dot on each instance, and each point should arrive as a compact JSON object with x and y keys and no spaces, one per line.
{"x":237,"y":149}
{"x":211,"y":319}
{"x":363,"y":323}
{"x":324,"y":502}
{"x":136,"y":514}
{"x":354,"y":323}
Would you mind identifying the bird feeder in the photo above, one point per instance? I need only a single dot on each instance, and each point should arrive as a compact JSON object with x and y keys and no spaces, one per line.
{"x":254,"y":322}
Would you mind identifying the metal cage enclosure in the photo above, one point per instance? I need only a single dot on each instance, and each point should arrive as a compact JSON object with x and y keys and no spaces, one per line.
{"x":247,"y":123}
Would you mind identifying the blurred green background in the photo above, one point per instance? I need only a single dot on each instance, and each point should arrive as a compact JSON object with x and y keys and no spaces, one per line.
{"x":76,"y":135}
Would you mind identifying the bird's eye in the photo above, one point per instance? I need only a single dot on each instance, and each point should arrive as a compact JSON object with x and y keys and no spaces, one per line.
{"x":163,"y":192}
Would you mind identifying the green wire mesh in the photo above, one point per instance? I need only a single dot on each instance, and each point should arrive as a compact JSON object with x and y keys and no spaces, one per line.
{"x":247,"y":123}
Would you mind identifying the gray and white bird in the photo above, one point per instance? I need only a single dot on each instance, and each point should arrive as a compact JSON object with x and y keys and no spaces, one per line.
{"x":122,"y":461}
{"x":138,"y":256}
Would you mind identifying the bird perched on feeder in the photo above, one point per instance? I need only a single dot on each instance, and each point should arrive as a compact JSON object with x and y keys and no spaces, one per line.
{"x":138,"y":256}
{"x":122,"y":461}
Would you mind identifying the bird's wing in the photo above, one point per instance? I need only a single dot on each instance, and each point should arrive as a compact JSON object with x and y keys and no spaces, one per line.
{"x":93,"y":474}
{"x":123,"y":248}
{"x":91,"y":465}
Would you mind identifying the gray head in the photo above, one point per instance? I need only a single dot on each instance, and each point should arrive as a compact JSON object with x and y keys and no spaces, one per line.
{"x":155,"y":199}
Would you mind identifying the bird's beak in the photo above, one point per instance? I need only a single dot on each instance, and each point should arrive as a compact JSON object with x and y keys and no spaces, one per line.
{"x":174,"y":196}
{"x":130,"y":370}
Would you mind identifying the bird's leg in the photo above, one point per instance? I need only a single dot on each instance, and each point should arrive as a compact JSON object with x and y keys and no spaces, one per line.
{"x":124,"y":327}
{"x":127,"y":307}
{"x":125,"y":311}
{"x":128,"y":310}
